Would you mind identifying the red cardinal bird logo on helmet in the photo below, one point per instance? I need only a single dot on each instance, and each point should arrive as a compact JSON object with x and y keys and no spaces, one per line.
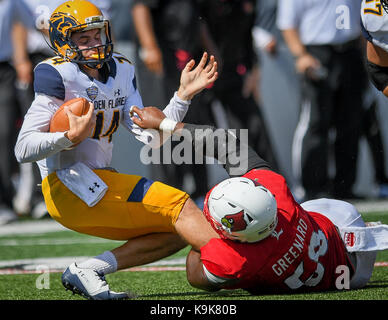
{"x":235,"y":222}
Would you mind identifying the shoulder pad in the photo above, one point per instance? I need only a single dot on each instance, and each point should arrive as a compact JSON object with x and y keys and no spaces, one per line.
{"x":373,"y":17}
{"x":48,"y":80}
{"x":120,"y":58}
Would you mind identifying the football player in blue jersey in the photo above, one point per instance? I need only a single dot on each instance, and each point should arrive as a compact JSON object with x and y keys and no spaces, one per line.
{"x":80,"y":190}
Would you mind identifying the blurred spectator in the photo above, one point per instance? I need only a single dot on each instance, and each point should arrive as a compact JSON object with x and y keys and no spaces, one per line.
{"x":32,"y":49}
{"x":265,"y":32}
{"x":169,"y":35}
{"x":230,"y":24}
{"x":324,"y":38}
{"x":11,"y":11}
{"x":123,"y":30}
{"x":371,"y":126}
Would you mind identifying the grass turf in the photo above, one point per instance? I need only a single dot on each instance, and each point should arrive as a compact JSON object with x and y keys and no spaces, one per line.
{"x":172,"y":285}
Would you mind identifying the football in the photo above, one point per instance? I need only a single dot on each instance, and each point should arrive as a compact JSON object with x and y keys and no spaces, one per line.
{"x":60,"y":121}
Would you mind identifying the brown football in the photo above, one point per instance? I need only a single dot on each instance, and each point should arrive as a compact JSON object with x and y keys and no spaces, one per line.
{"x":60,"y":121}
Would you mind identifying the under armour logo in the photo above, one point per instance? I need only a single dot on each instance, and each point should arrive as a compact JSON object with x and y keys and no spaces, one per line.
{"x":117,"y":92}
{"x":277,"y":234}
{"x":96,"y":185}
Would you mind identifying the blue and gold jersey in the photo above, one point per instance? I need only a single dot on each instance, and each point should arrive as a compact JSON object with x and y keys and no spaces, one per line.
{"x":153,"y":205}
{"x":57,"y":81}
{"x":65,"y":80}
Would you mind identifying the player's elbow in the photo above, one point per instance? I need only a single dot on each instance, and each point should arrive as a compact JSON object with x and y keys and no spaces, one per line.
{"x":21,"y":153}
{"x":193,"y":281}
{"x":20,"y":157}
{"x":195,"y":274}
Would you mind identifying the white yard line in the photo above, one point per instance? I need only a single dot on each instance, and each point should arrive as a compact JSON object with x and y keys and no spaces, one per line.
{"x":31,"y":227}
{"x":53,"y":242}
{"x":156,"y":268}
{"x":59,"y":264}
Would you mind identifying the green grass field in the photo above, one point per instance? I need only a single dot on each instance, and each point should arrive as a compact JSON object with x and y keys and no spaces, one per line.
{"x":146,"y":285}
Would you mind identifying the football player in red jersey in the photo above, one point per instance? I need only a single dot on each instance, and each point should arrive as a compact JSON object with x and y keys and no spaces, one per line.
{"x":268,"y":242}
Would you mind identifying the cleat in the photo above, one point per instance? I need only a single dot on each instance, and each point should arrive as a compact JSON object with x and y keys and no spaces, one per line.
{"x":89,"y":284}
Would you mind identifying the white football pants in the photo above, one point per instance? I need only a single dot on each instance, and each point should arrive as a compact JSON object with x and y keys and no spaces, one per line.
{"x":365,"y":241}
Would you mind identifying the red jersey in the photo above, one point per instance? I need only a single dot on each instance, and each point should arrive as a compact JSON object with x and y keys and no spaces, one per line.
{"x":303,"y":252}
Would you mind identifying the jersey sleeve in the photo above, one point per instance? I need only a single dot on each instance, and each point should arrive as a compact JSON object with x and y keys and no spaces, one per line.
{"x":221,"y":260}
{"x":214,"y":279}
{"x":34,"y":141}
{"x":48,"y":81}
{"x":177,"y":108}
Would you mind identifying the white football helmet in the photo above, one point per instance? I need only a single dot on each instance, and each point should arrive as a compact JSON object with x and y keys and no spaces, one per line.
{"x":243,"y":209}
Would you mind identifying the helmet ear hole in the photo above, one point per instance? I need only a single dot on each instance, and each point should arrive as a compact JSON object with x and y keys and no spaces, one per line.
{"x":250,"y":219}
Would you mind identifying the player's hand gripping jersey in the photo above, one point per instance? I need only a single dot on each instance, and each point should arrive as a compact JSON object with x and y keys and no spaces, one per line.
{"x":302,"y":253}
{"x":374,"y":21}
{"x":57,"y":81}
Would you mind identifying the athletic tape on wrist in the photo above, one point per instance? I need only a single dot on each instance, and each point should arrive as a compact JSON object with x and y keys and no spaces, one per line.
{"x":167,"y":125}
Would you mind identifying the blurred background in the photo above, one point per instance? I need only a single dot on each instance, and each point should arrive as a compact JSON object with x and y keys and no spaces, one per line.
{"x":259,"y":87}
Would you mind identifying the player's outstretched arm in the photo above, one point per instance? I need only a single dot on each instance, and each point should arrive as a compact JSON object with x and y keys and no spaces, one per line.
{"x":194,"y":80}
{"x":235,"y":155}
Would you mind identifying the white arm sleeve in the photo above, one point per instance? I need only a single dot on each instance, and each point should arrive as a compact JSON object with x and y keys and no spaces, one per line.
{"x":34,"y":141}
{"x":177,"y":108}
